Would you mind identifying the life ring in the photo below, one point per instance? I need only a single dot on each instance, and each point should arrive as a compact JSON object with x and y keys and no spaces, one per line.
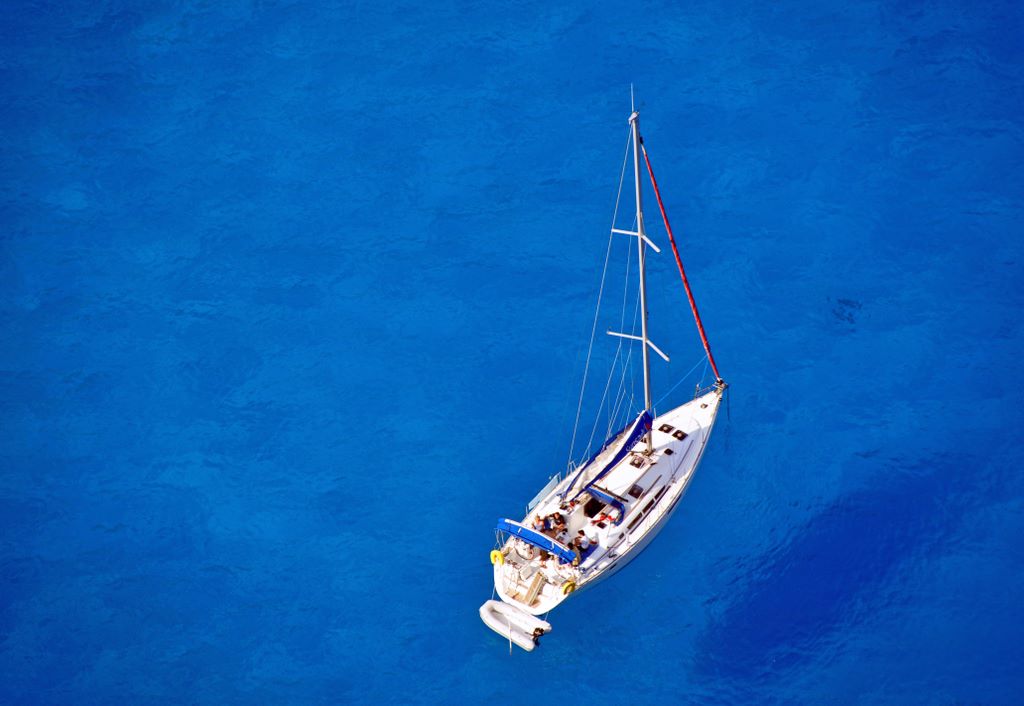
{"x":497,"y":557}
{"x":568,"y":587}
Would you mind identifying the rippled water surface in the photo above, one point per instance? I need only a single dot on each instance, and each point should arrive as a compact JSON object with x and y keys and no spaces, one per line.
{"x":294,"y":304}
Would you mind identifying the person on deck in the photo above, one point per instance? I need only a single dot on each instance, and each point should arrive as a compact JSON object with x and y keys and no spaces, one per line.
{"x":556,"y":521}
{"x":551,"y":572}
{"x":546,"y":565}
{"x":562,"y":534}
{"x":581,"y":542}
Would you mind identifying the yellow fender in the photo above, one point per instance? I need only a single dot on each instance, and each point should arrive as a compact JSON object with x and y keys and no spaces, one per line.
{"x":568,"y":587}
{"x":497,"y":557}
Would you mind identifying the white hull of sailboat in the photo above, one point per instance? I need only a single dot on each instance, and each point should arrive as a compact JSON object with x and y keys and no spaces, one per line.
{"x":587,"y":526}
{"x":664,"y":480}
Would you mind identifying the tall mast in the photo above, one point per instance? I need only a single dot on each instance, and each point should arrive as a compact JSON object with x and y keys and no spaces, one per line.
{"x":634,"y":120}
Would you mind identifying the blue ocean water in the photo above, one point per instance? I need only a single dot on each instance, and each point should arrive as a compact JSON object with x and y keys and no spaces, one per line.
{"x":294,"y":301}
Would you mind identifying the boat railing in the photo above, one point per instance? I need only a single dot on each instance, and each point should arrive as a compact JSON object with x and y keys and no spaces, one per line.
{"x":701,"y":391}
{"x":552,"y":483}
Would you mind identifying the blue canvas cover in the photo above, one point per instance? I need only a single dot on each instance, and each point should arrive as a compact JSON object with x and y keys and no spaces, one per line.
{"x":608,"y":498}
{"x":640,"y":427}
{"x":537,"y":539}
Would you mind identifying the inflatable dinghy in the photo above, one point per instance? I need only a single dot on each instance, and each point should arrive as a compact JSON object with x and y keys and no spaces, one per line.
{"x":513,"y":624}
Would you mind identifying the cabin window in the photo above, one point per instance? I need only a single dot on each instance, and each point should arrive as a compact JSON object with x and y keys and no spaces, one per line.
{"x":636,"y":491}
{"x":669,"y":452}
{"x":660,"y":493}
{"x":680,"y":434}
{"x":635,"y":522}
{"x":666,"y":428}
{"x":650,"y":505}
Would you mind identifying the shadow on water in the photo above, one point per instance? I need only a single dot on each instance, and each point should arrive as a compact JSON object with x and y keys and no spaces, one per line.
{"x":799,"y":594}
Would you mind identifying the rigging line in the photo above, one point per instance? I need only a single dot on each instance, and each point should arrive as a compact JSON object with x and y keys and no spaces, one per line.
{"x":703,"y":359}
{"x":593,"y":329}
{"x":566,"y":402}
{"x":633,"y":374}
{"x":622,"y":316}
{"x":615,"y":412}
{"x":617,"y":360}
{"x":608,"y":383}
{"x":625,"y":289}
{"x":625,"y":283}
{"x":622,"y":327}
{"x":600,"y":405}
{"x":611,"y":400}
{"x":620,"y":395}
{"x":679,"y":262}
{"x":590,"y":348}
{"x":607,"y":386}
{"x":628,"y":367}
{"x":618,"y":353}
{"x":629,"y":359}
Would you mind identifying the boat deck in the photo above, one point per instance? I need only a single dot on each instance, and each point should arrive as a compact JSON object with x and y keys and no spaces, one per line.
{"x":647,"y":486}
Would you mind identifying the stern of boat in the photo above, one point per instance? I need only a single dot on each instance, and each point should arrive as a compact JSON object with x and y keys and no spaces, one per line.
{"x":532,"y":589}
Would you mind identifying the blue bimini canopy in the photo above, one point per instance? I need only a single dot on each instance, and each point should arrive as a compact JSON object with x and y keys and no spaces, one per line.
{"x":537,"y":539}
{"x":610,"y":498}
{"x":640,"y":427}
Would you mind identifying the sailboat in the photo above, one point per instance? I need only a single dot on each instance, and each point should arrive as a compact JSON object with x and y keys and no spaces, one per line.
{"x":589,"y":522}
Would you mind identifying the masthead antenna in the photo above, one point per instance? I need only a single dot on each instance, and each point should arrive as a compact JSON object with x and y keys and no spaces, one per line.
{"x":632,"y":102}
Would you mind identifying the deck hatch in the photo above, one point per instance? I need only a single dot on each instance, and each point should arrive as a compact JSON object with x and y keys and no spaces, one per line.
{"x":679,"y":434}
{"x":593,"y":506}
